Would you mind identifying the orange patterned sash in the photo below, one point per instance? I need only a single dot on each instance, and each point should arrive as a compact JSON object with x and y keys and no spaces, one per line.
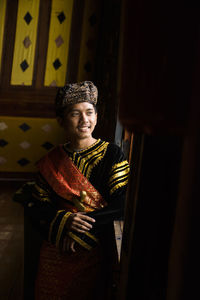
{"x":66,"y":179}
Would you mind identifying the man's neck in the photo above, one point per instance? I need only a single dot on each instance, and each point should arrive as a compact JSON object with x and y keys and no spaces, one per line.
{"x":82,"y":144}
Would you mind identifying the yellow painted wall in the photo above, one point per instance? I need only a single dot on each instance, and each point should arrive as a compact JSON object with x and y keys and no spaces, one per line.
{"x":25,"y":42}
{"x":2,"y":23}
{"x":23,"y":141}
{"x":58,"y":45}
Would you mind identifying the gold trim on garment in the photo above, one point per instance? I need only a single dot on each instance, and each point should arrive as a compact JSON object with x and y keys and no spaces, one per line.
{"x":92,"y":236}
{"x":119,"y":171}
{"x":68,"y":149}
{"x":83,"y":161}
{"x":99,"y":157}
{"x":52,"y":223}
{"x":96,"y":149}
{"x":41,"y":197}
{"x":78,"y":240}
{"x":96,"y":154}
{"x":118,"y":175}
{"x":61,"y":227}
{"x":117,"y":186}
{"x":123,"y":178}
{"x":40,"y":193}
{"x":40,"y":190}
{"x":119,"y":165}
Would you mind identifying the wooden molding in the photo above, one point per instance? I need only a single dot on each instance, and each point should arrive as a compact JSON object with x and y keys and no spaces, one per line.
{"x":17,"y":176}
{"x":28,"y":102}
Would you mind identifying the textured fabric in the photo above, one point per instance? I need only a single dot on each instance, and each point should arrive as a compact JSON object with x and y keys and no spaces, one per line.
{"x":65,"y":276}
{"x":75,"y":93}
{"x":60,"y":274}
{"x":105,"y":167}
{"x":100,"y":163}
{"x":103,"y":159}
{"x":67,"y":181}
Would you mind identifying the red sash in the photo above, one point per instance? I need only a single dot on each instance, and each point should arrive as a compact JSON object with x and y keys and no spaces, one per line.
{"x":66,"y":179}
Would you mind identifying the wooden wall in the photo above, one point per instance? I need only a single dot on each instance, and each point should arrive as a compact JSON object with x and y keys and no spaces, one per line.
{"x":45,"y":44}
{"x":159,"y":103}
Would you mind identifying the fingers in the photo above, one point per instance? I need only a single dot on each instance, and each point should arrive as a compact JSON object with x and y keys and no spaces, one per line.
{"x":69,"y":245}
{"x":83,"y":216}
{"x":80,"y":226}
{"x":72,"y":246}
{"x":80,"y":222}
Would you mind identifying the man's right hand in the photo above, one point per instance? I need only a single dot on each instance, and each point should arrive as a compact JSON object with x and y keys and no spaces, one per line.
{"x":80,"y":222}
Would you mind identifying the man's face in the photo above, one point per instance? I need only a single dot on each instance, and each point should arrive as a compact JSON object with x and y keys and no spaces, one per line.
{"x":80,"y":121}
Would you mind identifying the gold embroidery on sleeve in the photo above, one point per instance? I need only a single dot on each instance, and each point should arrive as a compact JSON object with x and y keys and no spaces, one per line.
{"x":41,"y":197}
{"x":91,"y":236}
{"x":40,"y":193}
{"x":52,"y":223}
{"x":119,"y":176}
{"x":61,"y":227}
{"x":119,"y":185}
{"x":118,"y":165}
{"x":78,"y":240}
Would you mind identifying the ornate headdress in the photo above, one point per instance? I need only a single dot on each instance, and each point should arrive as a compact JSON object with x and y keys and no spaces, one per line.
{"x":74,"y":93}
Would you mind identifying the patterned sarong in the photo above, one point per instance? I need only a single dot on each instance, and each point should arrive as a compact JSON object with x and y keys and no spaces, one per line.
{"x":66,"y":275}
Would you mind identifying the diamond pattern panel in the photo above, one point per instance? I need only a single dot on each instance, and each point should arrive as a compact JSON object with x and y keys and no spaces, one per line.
{"x":27,"y":18}
{"x":59,"y":41}
{"x":3,"y":126}
{"x":3,"y":143}
{"x":27,"y":42}
{"x":3,"y":160}
{"x":24,"y":65}
{"x":47,"y":127}
{"x":25,"y":145}
{"x":53,"y":83}
{"x":57,"y":64}
{"x":61,"y":17}
{"x":47,"y":145}
{"x":23,"y":162}
{"x":25,"y":141}
{"x":24,"y":127}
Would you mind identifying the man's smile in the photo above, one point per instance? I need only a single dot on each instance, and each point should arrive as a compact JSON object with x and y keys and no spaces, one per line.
{"x":84,"y":127}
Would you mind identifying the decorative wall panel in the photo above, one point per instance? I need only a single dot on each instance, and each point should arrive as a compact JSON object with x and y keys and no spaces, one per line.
{"x":58,"y":46}
{"x":25,"y":140}
{"x":25,"y":42}
{"x":89,"y":40}
{"x":2,"y":25}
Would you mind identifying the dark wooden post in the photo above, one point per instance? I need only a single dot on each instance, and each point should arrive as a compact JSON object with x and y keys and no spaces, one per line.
{"x":158,"y":103}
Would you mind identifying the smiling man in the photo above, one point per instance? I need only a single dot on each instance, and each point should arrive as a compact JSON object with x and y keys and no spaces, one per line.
{"x":79,"y":192}
{"x":79,"y":122}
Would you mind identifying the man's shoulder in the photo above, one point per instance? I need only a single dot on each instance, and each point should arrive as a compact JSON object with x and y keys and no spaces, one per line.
{"x":114,"y":148}
{"x":114,"y":152}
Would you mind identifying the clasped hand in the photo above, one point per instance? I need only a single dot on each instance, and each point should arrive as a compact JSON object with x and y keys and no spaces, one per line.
{"x":78,"y":222}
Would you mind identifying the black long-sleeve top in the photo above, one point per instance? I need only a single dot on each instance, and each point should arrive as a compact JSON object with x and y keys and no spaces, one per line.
{"x":105,"y":166}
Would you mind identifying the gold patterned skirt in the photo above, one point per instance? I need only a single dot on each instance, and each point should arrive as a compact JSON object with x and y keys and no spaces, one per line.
{"x":81,"y":275}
